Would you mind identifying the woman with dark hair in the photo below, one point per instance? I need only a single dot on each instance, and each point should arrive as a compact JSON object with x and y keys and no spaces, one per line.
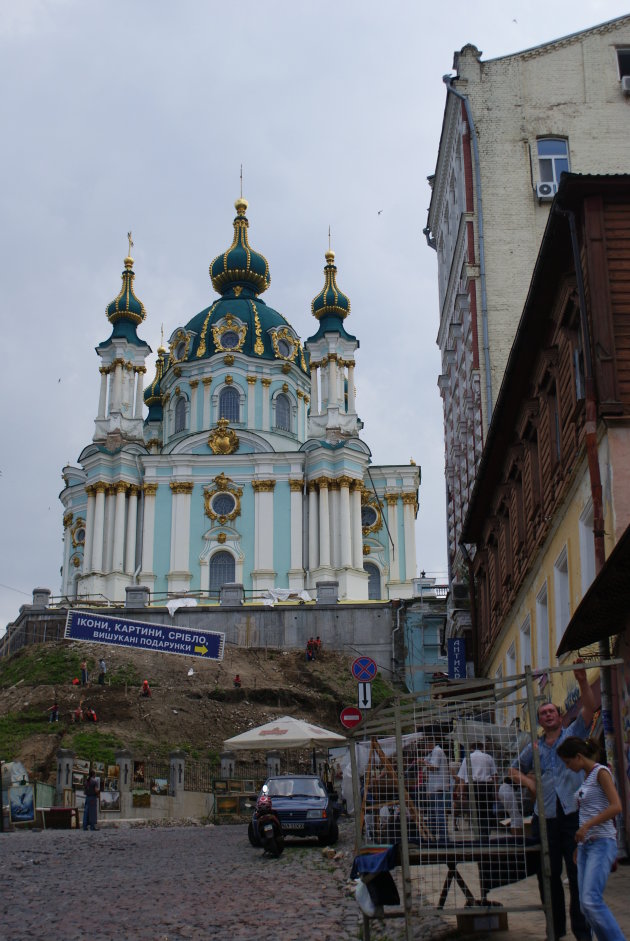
{"x":598,"y":804}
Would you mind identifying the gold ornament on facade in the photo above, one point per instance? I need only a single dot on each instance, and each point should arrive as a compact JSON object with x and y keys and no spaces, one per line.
{"x":225,"y":485}
{"x":67,"y":520}
{"x":78,"y":533}
{"x":312,"y":486}
{"x":181,"y":486}
{"x":300,"y":394}
{"x":252,"y":380}
{"x":221,"y":538}
{"x":193,"y":383}
{"x":207,"y":380}
{"x":179,"y":346}
{"x":121,"y":486}
{"x":369,"y":502}
{"x":177,"y":372}
{"x":284,"y":334}
{"x":266,"y":383}
{"x":286,"y":368}
{"x":259,"y":346}
{"x":366,"y":550}
{"x":391,"y":499}
{"x":306,"y":399}
{"x":178,"y":391}
{"x":333,"y":485}
{"x":296,"y":486}
{"x":201,"y":350}
{"x":229,"y":325}
{"x":323,"y":483}
{"x":285,"y":387}
{"x":150,"y":490}
{"x":76,"y":561}
{"x":410,"y":499}
{"x":345,"y":481}
{"x":238,"y":290}
{"x":228,"y":359}
{"x":229,"y":380}
{"x":223,"y":440}
{"x":263,"y":486}
{"x":302,"y":360}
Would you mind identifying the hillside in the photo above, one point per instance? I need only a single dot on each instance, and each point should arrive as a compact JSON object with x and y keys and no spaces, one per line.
{"x":195,"y":713}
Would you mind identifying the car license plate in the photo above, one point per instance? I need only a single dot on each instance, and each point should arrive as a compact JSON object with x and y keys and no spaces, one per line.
{"x":296,"y":826}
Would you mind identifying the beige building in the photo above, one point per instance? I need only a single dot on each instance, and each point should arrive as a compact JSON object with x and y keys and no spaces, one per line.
{"x":511,"y":126}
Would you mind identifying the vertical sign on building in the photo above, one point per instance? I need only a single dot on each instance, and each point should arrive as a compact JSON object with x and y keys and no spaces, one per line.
{"x":457,"y":658}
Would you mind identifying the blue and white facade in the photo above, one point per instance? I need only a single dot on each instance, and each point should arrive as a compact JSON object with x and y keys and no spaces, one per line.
{"x":241,"y":461}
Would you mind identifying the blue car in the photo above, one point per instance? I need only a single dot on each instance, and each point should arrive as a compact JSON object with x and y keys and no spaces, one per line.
{"x":304,"y":807}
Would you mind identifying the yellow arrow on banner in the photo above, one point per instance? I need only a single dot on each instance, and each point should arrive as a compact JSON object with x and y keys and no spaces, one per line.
{"x":201,"y":650}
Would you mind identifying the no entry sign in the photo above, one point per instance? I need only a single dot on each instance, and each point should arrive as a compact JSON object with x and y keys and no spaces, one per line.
{"x":350,"y":716}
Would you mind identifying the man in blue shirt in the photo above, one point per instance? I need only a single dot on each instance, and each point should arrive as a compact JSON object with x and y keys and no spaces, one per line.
{"x":559,"y":785}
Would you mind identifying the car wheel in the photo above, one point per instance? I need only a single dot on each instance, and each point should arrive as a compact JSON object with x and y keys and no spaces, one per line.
{"x":253,"y":839}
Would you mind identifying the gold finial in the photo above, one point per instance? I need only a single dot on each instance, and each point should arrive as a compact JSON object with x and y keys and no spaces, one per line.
{"x":129,"y":259}
{"x":161,"y":347}
{"x":241,"y":181}
{"x":412,"y":462}
{"x":328,"y":238}
{"x":330,"y":255}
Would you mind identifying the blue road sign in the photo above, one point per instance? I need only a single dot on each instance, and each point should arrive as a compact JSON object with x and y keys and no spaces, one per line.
{"x":457,"y":658}
{"x":364,"y":669}
{"x":140,"y":635}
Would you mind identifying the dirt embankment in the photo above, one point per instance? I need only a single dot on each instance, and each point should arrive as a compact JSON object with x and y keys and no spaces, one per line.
{"x":197,"y":710}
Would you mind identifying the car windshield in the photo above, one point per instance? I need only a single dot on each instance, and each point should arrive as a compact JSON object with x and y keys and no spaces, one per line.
{"x":295,"y":787}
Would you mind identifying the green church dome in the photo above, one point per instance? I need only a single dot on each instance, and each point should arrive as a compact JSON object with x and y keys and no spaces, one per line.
{"x":240,"y":265}
{"x":330,"y":301}
{"x":126,"y":306}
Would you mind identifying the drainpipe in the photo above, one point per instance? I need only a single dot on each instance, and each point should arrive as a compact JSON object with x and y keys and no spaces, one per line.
{"x":140,"y":470}
{"x":590,"y":439}
{"x":448,"y":81}
{"x":398,"y":604}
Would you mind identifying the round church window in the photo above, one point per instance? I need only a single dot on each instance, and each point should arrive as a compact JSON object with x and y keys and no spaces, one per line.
{"x":223,"y":504}
{"x":284,"y":348}
{"x":80,"y":536}
{"x":368,"y":516}
{"x":229,"y":340}
{"x":180,"y":350}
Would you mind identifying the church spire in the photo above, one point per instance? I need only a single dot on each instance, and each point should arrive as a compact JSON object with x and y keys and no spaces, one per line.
{"x":330,"y":302}
{"x":126,"y":306}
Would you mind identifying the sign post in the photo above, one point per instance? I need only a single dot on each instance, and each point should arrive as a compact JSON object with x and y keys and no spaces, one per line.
{"x":99,"y":628}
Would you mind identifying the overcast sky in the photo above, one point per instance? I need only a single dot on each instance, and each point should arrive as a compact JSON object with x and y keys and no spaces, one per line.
{"x":137,"y":115}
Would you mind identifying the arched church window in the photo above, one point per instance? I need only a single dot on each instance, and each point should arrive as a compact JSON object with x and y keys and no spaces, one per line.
{"x":180,"y":414}
{"x":229,"y":404}
{"x":283,"y":413}
{"x":369,"y":515}
{"x":222,"y":570}
{"x":374,"y":581}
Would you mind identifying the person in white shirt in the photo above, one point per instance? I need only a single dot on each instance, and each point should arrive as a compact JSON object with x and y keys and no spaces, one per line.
{"x":484,"y":776}
{"x":438,"y":786}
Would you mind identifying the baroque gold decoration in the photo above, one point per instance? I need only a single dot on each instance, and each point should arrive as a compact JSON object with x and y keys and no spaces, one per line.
{"x":78,"y":533}
{"x":229,"y":325}
{"x":366,"y":550}
{"x":266,"y":383}
{"x":179,"y":346}
{"x":201,"y":351}
{"x":263,"y":486}
{"x":76,"y":561}
{"x":150,"y":490}
{"x":229,"y":380}
{"x":67,"y":520}
{"x":193,"y":383}
{"x":285,"y":387}
{"x":259,"y":346}
{"x":177,"y":371}
{"x":286,"y":368}
{"x":228,"y":359}
{"x":410,"y":499}
{"x":284,"y":334}
{"x":222,"y":484}
{"x":300,"y":394}
{"x":238,"y":290}
{"x":181,"y":486}
{"x":223,"y":440}
{"x":345,"y":481}
{"x":302,"y":360}
{"x":368,"y":499}
{"x":252,"y":380}
{"x":296,"y":486}
{"x":391,"y":499}
{"x":207,"y":380}
{"x":221,"y":538}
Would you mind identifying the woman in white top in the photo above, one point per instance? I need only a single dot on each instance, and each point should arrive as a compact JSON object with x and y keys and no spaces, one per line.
{"x":598,"y":804}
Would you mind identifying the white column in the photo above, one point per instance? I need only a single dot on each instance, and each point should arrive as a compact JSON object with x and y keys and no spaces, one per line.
{"x":300,"y":413}
{"x":207,"y":394}
{"x":132,"y":520}
{"x":110,"y":516}
{"x":111,"y":390}
{"x":409,"y":519}
{"x":333,"y":522}
{"x":140,"y":370}
{"x":306,"y":401}
{"x":251,"y":401}
{"x":102,"y":399}
{"x":297,"y":516}
{"x":324,"y":524}
{"x":114,"y":405}
{"x":193,"y":425}
{"x":392,"y":521}
{"x":118,"y":556}
{"x":357,"y":528}
{"x":266,"y":418}
{"x":313,"y":527}
{"x":98,"y":538}
{"x":323,"y":392}
{"x":263,"y":538}
{"x":127,"y":391}
{"x":148,"y":529}
{"x":89,"y":531}
{"x":314,"y":389}
{"x":351,"y":400}
{"x":333,"y":390}
{"x":180,"y":527}
{"x":345,"y":525}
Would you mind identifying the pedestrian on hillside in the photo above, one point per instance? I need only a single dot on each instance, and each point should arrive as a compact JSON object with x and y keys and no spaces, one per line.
{"x":84,"y":673}
{"x":483,"y":786}
{"x":54,"y":712}
{"x":146,"y":689}
{"x":559,"y":788}
{"x":318,"y":645}
{"x":77,"y":715}
{"x":90,"y":810}
{"x":310,"y":649}
{"x":102,"y":670}
{"x":237,"y":681}
{"x":596,"y":838}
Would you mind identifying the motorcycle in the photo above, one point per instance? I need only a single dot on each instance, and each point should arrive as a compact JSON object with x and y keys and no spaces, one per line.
{"x":269,"y":828}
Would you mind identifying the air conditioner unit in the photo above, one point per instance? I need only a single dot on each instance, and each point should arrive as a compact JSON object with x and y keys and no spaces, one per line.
{"x":546,"y":190}
{"x":625,"y":84}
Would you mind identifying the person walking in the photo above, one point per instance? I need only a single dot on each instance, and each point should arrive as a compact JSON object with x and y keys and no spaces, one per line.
{"x":596,"y":837}
{"x":90,"y":810}
{"x":437,"y":785}
{"x":484,"y":777}
{"x":84,"y":673}
{"x":102,"y":670}
{"x":559,"y":787}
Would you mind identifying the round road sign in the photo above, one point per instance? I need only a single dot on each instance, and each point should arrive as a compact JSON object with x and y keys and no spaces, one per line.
{"x":350,"y":716}
{"x":364,"y":669}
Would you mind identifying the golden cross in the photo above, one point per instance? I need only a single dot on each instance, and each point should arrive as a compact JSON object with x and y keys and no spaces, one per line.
{"x":328,"y":238}
{"x":241,"y":181}
{"x":130,"y":242}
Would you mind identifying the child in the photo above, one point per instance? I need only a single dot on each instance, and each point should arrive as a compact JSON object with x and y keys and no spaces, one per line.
{"x":596,"y":852}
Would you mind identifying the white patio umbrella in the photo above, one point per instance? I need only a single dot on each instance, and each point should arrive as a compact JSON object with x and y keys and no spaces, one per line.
{"x":284,"y":733}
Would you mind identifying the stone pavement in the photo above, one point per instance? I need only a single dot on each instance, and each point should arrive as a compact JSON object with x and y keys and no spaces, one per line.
{"x":200,"y":883}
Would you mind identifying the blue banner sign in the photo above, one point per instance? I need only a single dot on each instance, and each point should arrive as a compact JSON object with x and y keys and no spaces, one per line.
{"x":457,"y":658}
{"x":140,"y":635}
